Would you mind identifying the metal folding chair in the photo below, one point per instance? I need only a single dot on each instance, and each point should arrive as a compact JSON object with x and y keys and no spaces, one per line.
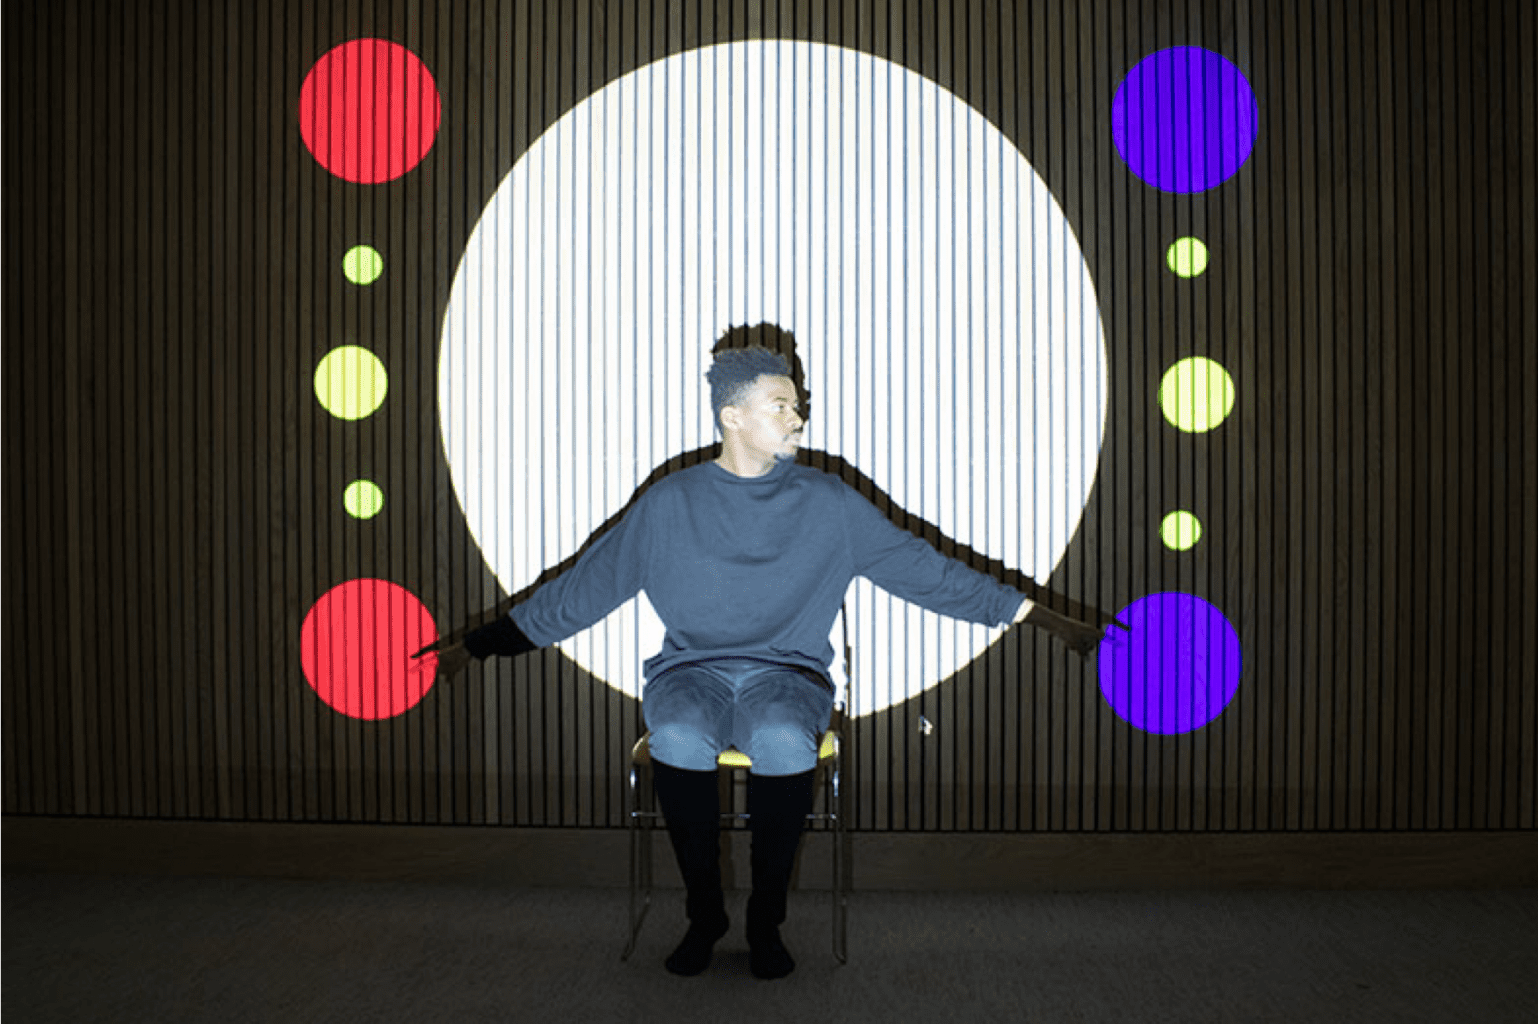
{"x":645,"y":818}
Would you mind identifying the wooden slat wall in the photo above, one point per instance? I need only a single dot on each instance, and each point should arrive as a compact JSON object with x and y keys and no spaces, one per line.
{"x":171,"y":485}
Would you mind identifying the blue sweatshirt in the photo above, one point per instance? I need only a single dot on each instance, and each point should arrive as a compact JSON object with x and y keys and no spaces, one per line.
{"x":754,"y":567}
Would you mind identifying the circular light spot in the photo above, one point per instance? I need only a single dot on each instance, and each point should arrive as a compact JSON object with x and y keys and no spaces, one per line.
{"x":356,"y":644}
{"x":1196,"y":394}
{"x":1176,"y":670}
{"x":362,"y":264}
{"x":351,"y":382}
{"x":369,"y":111}
{"x":1187,"y":257}
{"x":363,"y":499}
{"x":1180,"y":531}
{"x":1026,"y":367}
{"x":1185,"y":119}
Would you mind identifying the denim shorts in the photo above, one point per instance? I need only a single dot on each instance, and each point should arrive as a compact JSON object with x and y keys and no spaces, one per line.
{"x":775,"y":714}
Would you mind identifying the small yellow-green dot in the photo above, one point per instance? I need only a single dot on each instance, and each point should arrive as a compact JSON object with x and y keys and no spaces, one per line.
{"x":362,"y":264}
{"x":350,"y":382}
{"x":363,"y":499}
{"x":1196,"y":394}
{"x":1180,"y":531}
{"x":1187,"y":256}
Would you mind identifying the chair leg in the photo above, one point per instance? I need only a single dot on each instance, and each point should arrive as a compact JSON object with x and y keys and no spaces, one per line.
{"x":640,"y":866}
{"x":840,"y":840}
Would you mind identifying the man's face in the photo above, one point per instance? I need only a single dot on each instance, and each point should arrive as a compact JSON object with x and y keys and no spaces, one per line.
{"x":768,"y":425}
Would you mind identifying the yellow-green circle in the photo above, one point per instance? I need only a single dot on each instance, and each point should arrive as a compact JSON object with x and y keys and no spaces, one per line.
{"x":363,"y":499}
{"x":1196,"y":394}
{"x":1187,"y":256}
{"x":350,"y":382}
{"x":1180,"y":531}
{"x":362,"y":264}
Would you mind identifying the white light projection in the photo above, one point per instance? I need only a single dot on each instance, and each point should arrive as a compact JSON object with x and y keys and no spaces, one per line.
{"x":942,"y":310}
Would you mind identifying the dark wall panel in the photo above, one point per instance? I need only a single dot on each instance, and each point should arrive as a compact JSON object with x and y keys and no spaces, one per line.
{"x":172,"y":499}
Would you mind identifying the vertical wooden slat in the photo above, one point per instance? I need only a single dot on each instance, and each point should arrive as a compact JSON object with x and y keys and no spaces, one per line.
{"x":576,"y":708}
{"x":1409,"y":132}
{"x":147,"y":615}
{"x":310,"y":725}
{"x":1118,"y":478}
{"x":14,"y":738}
{"x":1505,"y":415}
{"x":1453,"y":444}
{"x":1409,"y":765}
{"x":1306,"y":377}
{"x":119,"y":514}
{"x":1430,"y":386}
{"x":1380,"y":523}
{"x":63,"y":422}
{"x":1185,"y":455}
{"x":1271,"y":403}
{"x":24,"y":177}
{"x":262,"y":99}
{"x":1478,"y":571}
{"x":137,"y":471}
{"x":230,"y":412}
{"x":1394,"y":275}
{"x":83,"y":728}
{"x":1243,"y":510}
{"x":195,"y":509}
{"x":13,"y":515}
{"x":89,"y":316}
{"x":1363,"y":578}
{"x":53,"y":698}
{"x":1527,"y":124}
{"x":1515,"y":251}
{"x":289,"y":729}
{"x":174,"y":672}
{"x":1338,"y":227}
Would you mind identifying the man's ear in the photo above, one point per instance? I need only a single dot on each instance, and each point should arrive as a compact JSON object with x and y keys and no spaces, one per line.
{"x":729,"y":418}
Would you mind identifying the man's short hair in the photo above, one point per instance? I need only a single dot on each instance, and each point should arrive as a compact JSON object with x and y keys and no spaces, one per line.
{"x":734,"y":372}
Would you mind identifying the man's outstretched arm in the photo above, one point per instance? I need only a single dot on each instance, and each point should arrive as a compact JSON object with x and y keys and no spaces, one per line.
{"x":911,"y":568}
{"x":609,"y":572}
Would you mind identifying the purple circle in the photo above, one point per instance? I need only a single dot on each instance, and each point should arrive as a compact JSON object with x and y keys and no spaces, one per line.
{"x":1185,"y":119}
{"x":1178,"y":667}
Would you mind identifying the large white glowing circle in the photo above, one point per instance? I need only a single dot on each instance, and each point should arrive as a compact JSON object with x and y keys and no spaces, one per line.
{"x":943,"y":312}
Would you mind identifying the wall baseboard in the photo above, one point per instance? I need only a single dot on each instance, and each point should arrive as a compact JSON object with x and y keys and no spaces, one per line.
{"x":881,"y":861}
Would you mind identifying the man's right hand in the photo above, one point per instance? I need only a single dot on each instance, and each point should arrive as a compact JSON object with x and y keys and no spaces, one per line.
{"x":452,"y":660}
{"x":444,"y":661}
{"x":501,"y":636}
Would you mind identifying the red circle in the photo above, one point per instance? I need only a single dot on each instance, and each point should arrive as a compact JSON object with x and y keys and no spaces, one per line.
{"x":369,"y":110}
{"x":356,"y":645}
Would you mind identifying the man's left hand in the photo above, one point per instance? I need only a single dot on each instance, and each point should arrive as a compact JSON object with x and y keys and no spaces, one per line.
{"x":1083,"y":637}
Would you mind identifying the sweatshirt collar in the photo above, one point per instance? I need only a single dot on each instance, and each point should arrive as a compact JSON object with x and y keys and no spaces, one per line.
{"x":780,"y":468}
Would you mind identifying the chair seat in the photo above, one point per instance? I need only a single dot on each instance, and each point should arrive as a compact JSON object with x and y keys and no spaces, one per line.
{"x":731,"y":757}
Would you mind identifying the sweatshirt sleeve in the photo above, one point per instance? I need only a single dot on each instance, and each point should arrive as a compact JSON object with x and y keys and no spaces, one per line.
{"x":609,"y":573}
{"x":914,"y":570}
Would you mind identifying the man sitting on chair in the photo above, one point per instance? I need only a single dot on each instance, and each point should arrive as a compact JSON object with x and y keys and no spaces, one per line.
{"x":746,"y":559}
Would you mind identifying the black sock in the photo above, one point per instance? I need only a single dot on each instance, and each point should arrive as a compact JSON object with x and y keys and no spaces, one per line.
{"x":767,"y":956}
{"x":693,"y":954}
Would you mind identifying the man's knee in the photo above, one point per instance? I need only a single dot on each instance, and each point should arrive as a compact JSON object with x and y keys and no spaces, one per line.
{"x":684,"y":745}
{"x":782,"y":748}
